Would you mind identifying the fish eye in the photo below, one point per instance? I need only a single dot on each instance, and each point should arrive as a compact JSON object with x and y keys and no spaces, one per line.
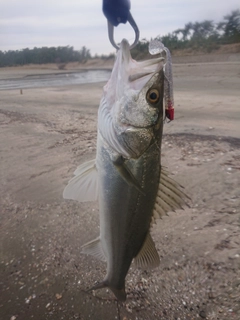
{"x":153,"y":96}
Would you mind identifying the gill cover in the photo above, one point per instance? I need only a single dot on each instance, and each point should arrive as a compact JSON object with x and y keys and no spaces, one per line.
{"x":127,"y":110}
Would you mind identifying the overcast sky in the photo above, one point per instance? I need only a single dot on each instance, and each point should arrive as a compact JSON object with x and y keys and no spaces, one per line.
{"x":37,"y":23}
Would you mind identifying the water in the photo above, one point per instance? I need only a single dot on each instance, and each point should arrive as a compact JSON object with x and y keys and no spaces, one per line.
{"x":55,"y":80}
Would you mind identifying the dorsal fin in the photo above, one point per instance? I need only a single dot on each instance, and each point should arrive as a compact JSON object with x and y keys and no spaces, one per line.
{"x":84,"y":186}
{"x":169,"y":197}
{"x":147,"y":257}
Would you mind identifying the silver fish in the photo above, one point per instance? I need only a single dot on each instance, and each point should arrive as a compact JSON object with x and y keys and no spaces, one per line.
{"x":126,"y":177}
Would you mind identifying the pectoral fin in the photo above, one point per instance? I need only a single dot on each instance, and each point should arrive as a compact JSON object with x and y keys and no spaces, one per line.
{"x":126,"y":174}
{"x":94,"y":248}
{"x":147,"y":257}
{"x":84,"y":186}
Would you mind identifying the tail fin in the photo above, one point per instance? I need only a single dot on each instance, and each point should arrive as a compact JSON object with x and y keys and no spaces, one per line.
{"x":120,"y":294}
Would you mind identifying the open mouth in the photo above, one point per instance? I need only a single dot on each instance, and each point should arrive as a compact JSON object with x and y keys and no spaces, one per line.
{"x":138,"y":72}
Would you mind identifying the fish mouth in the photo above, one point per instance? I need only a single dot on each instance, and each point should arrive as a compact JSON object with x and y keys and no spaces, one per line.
{"x":138,"y":73}
{"x":138,"y":76}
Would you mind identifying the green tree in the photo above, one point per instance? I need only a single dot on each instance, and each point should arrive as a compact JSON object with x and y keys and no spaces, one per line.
{"x":231,"y":26}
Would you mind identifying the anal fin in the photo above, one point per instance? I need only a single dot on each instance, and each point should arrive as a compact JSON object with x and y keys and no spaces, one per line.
{"x":147,"y":257}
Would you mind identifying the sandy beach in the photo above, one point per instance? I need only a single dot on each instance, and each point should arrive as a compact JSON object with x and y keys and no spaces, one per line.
{"x":45,"y":133}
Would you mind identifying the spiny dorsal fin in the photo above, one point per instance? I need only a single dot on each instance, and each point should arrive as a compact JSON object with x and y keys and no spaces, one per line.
{"x":169,"y":197}
{"x":147,"y":257}
{"x":94,"y":248}
{"x":84,"y":186}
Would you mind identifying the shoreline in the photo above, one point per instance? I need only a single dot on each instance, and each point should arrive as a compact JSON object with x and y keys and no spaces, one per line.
{"x":47,"y":132}
{"x":98,"y":64}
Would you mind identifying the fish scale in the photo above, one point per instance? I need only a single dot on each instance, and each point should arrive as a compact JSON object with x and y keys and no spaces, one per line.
{"x":126,"y":175}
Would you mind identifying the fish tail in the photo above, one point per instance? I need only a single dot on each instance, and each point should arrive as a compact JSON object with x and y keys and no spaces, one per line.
{"x":120,"y":294}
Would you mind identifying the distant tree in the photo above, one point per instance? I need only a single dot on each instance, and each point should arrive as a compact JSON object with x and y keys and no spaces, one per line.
{"x":141,"y":49}
{"x":205,"y":35}
{"x":2,"y":59}
{"x":84,"y":54}
{"x":186,"y":31}
{"x":231,"y":26}
{"x":60,"y":55}
{"x":171,"y":41}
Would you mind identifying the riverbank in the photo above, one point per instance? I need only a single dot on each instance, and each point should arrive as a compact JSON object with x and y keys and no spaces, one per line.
{"x":228,"y":55}
{"x":46,"y":133}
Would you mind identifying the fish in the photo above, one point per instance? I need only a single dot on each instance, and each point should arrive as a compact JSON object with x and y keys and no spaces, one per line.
{"x":126,"y":177}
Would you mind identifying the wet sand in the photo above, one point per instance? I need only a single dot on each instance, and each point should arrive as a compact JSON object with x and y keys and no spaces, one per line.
{"x":46,"y":133}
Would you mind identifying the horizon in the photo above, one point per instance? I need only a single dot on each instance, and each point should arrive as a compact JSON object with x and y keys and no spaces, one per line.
{"x":43,"y":24}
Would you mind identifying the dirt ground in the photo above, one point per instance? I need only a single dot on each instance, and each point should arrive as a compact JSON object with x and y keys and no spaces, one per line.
{"x":46,"y":133}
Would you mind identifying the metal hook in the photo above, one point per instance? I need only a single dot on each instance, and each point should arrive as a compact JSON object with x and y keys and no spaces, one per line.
{"x":134,"y":26}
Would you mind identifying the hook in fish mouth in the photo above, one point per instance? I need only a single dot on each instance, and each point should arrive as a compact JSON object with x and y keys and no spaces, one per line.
{"x":134,"y":26}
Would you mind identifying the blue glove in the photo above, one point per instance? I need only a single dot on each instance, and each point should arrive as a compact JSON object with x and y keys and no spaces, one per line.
{"x":116,"y":11}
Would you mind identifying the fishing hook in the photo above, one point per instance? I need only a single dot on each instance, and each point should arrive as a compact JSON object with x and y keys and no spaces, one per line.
{"x":134,"y":26}
{"x":118,"y":11}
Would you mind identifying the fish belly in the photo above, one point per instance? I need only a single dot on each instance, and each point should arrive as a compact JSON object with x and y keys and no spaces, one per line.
{"x":125,"y":213}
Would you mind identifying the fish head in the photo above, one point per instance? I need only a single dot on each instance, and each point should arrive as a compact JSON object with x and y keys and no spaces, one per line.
{"x":134,"y":96}
{"x":136,"y":89}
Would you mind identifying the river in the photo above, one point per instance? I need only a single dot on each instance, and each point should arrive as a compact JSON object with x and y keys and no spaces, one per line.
{"x":55,"y":80}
